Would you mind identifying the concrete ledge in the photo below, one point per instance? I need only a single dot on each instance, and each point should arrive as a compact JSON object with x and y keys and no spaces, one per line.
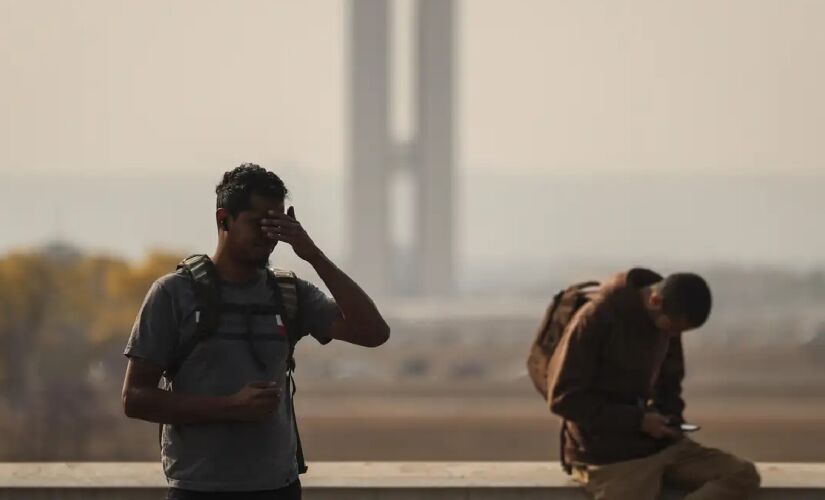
{"x":370,"y":480}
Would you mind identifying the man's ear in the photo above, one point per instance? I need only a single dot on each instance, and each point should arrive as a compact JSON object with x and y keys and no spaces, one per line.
{"x":222,"y":219}
{"x":655,"y":300}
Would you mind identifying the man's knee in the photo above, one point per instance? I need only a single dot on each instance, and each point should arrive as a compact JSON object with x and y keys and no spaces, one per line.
{"x":746,"y":477}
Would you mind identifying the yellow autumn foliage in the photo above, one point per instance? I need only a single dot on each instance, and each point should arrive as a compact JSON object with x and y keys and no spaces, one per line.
{"x":49,"y":303}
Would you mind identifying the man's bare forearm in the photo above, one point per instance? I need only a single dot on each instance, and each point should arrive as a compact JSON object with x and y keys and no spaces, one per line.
{"x":358,"y":308}
{"x":166,"y":407}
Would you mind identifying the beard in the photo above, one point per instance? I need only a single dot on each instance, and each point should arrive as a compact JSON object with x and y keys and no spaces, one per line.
{"x":262,"y":261}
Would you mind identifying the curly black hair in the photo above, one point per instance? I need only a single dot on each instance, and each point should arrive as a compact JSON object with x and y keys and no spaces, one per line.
{"x":686,"y":296}
{"x":234,"y":193}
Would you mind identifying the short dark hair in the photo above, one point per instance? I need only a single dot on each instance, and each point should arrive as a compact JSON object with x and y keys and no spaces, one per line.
{"x":686,"y":296}
{"x":234,"y":193}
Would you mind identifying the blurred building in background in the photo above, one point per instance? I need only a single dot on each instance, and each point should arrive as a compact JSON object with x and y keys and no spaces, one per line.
{"x":425,"y":266}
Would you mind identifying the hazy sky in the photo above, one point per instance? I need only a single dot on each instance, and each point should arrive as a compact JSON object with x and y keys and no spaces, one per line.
{"x":99,"y":91}
{"x":194,"y":85}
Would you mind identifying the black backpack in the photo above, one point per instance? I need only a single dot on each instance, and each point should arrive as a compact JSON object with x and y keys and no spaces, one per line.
{"x":559,"y":313}
{"x":201,"y":270}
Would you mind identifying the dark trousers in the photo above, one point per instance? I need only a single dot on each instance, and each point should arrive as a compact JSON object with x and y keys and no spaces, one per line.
{"x":291,"y":492}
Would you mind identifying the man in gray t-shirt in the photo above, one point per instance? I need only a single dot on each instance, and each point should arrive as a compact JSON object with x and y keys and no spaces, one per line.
{"x":225,"y":408}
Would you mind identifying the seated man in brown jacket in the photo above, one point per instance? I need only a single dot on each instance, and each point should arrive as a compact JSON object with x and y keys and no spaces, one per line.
{"x":616,"y":380}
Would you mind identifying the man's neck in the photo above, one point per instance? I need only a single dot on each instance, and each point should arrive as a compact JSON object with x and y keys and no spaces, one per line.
{"x":231,"y":270}
{"x":645,"y":293}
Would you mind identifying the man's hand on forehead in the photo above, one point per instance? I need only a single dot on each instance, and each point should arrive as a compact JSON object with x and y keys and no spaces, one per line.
{"x":284,"y":227}
{"x":277,"y":225}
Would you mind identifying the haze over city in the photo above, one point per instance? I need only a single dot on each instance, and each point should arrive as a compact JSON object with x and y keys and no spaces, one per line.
{"x":120,"y":119}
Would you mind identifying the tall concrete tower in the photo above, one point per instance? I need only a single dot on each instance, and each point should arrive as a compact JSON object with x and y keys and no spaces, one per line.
{"x":375,"y":156}
{"x":370,"y":147}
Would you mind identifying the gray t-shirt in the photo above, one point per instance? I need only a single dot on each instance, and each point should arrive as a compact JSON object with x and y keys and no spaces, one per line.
{"x":227,"y":456}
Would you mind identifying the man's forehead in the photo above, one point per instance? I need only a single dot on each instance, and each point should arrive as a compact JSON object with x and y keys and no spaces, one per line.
{"x":260,"y":205}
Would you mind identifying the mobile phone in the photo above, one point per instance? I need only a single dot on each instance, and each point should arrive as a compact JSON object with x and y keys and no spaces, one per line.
{"x":688,"y":427}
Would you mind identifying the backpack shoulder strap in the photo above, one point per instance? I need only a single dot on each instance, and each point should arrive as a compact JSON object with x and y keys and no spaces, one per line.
{"x":201,"y":271}
{"x":586,"y":284}
{"x":285,"y":284}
